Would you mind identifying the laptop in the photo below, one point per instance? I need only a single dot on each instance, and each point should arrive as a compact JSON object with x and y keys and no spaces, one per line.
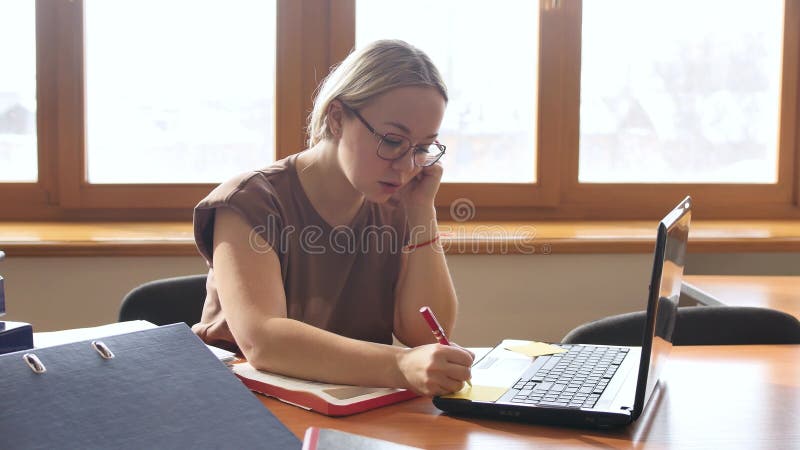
{"x":597,"y":386}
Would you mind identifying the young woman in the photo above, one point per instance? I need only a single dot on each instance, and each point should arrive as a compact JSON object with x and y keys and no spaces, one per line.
{"x":318,"y":260}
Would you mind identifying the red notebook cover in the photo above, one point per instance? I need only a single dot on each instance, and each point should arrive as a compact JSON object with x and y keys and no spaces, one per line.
{"x":328,"y":399}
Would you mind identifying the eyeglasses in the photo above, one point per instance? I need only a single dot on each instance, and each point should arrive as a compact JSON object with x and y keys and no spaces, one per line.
{"x":392,"y":147}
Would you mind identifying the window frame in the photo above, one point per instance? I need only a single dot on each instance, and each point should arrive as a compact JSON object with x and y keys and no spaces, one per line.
{"x":713,"y":200}
{"x":564,"y":197}
{"x":74,"y":191}
{"x":313,"y":35}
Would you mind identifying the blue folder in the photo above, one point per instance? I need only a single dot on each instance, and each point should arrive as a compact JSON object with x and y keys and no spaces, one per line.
{"x":157,"y":388}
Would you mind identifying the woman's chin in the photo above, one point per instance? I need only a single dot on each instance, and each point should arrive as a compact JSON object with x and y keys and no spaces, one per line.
{"x":382,"y":193}
{"x":380,"y":197}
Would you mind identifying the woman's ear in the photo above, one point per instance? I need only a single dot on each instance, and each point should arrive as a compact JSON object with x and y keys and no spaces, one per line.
{"x":334,"y":118}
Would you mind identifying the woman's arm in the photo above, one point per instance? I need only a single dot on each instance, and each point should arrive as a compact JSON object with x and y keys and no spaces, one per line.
{"x":424,"y":281}
{"x":252,"y":296}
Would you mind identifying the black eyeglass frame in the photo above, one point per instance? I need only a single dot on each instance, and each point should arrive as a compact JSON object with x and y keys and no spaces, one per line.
{"x":383,"y":138}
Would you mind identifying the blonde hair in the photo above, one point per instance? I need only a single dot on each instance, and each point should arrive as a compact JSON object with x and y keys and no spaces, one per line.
{"x":369,"y":72}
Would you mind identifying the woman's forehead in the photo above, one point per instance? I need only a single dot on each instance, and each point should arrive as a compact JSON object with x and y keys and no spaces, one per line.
{"x":412,"y":110}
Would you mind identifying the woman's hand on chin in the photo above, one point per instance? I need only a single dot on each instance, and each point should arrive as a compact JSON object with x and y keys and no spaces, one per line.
{"x":420,"y":191}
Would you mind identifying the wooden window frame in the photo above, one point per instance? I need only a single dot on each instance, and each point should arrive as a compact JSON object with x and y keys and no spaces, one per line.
{"x":718,"y":201}
{"x":559,"y":195}
{"x":313,"y":35}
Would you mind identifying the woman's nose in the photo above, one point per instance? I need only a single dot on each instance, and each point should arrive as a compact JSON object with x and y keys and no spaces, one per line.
{"x":405,"y":163}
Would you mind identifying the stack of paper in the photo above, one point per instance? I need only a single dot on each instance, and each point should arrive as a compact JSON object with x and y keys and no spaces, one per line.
{"x":53,"y":338}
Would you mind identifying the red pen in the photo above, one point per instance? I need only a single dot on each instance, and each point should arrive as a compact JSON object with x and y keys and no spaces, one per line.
{"x":436,"y":328}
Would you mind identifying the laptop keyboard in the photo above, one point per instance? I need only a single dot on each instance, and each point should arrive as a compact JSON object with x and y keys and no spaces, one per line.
{"x":574,"y":379}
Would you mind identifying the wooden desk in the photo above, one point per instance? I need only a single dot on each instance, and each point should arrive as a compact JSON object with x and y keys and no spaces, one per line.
{"x":781,"y":293}
{"x":694,"y":409}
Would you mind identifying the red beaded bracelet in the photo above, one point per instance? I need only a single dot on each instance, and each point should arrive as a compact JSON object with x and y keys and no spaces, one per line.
{"x":423,"y":244}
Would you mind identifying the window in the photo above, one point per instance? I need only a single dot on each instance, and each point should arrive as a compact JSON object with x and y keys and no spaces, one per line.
{"x":639,"y":104}
{"x":18,"y":162}
{"x":491,"y":115}
{"x":142,"y":107}
{"x":690,"y":100}
{"x":610,"y":109}
{"x":198,"y":97}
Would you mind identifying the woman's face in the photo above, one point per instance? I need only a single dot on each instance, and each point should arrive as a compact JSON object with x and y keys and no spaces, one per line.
{"x":413,"y":112}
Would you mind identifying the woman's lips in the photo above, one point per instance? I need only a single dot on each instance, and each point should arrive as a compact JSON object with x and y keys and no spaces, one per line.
{"x":389,"y":186}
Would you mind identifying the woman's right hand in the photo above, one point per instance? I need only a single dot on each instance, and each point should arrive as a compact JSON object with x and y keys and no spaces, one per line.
{"x":435,"y":369}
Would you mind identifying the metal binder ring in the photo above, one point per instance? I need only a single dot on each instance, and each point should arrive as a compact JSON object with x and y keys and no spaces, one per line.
{"x":102,"y":349}
{"x":34,"y":363}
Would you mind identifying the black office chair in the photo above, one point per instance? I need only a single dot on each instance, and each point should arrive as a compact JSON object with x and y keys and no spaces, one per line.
{"x":696,"y":325}
{"x":166,"y":301}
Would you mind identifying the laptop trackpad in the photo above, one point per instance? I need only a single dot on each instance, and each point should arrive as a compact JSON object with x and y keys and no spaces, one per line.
{"x":501,"y":368}
{"x":505,"y":365}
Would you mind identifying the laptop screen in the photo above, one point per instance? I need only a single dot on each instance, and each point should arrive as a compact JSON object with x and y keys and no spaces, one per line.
{"x":662,"y":305}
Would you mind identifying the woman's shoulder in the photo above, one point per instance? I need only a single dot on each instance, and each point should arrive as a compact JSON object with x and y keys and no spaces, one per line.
{"x":257,"y":196}
{"x":270,"y":182}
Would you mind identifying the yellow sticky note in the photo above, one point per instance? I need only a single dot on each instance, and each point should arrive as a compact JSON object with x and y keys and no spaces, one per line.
{"x":479,"y":393}
{"x":533,"y":349}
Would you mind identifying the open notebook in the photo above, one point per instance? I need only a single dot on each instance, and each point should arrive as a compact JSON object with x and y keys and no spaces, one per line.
{"x":325,"y":398}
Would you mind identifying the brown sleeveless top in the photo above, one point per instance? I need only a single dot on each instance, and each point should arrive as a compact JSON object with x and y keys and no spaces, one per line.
{"x":340,"y":279}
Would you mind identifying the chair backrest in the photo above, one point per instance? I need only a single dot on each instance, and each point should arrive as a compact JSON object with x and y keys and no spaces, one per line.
{"x":696,"y":325}
{"x":166,"y":301}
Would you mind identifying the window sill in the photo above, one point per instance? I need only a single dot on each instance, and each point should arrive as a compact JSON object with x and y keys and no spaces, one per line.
{"x":176,"y":238}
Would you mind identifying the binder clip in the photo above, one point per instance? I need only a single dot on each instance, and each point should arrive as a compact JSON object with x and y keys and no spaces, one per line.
{"x":14,"y":336}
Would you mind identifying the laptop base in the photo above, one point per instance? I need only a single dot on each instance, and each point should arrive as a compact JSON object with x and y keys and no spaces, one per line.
{"x":545,"y":416}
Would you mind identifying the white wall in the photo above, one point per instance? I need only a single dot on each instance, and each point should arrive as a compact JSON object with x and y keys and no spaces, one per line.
{"x":522,"y":296}
{"x":59,"y":293}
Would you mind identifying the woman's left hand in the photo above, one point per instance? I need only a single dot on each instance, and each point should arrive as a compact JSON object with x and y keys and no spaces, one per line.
{"x":420,"y":191}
